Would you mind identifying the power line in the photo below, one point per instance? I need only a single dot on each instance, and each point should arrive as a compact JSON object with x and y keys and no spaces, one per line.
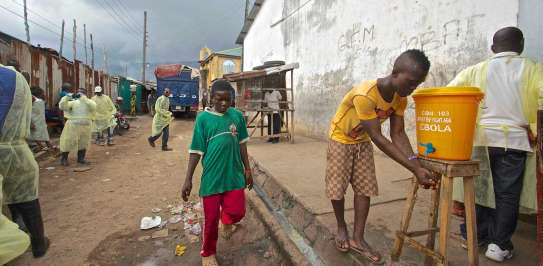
{"x":36,"y":23}
{"x":54,"y":24}
{"x":122,"y":18}
{"x":117,"y":20}
{"x":127,"y":12}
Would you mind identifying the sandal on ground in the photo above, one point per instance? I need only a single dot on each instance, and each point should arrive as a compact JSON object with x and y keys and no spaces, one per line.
{"x":209,"y":261}
{"x":342,"y":245}
{"x":228,"y":230}
{"x":371,"y":255}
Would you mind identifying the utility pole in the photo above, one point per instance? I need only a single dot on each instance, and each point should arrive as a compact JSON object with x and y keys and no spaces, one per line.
{"x":126,"y":70}
{"x":85,"y":43}
{"x":105,"y":60}
{"x":144,"y":47}
{"x":92,"y":60}
{"x":74,"y":47}
{"x":26,"y":23}
{"x":61,"y":40}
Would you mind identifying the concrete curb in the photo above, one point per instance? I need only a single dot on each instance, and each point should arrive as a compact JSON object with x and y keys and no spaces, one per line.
{"x":316,"y":234}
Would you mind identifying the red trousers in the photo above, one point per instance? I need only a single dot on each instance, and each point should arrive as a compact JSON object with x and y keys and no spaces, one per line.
{"x":229,"y":207}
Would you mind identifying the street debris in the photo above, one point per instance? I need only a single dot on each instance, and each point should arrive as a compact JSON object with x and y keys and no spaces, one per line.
{"x":82,"y":169}
{"x":106,"y":180}
{"x":143,"y":238}
{"x":156,"y":210}
{"x":160,"y":234}
{"x":175,"y":219}
{"x":148,"y":222}
{"x":196,"y":229}
{"x":180,"y":250}
{"x":50,"y":168}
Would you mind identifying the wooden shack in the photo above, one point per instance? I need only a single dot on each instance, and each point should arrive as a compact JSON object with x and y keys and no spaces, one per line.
{"x":251,"y":87}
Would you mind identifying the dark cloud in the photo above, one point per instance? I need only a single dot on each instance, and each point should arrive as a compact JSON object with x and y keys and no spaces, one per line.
{"x":177,"y":28}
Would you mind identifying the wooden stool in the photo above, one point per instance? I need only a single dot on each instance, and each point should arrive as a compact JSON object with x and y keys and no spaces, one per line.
{"x":442,"y":201}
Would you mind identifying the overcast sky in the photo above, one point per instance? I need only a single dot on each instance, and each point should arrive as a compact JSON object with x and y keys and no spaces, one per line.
{"x":177,"y":28}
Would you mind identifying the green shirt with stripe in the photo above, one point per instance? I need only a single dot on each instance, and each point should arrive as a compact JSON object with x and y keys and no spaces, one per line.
{"x":217,"y":137}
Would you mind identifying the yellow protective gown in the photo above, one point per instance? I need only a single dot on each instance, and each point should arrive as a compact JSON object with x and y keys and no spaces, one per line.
{"x":76,"y":134}
{"x":17,"y":163}
{"x":39,"y":133}
{"x":532,"y":100}
{"x":163,"y":117}
{"x":13,"y":241}
{"x":104,"y":117}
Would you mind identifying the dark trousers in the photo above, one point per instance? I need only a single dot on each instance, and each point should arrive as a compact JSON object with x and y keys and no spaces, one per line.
{"x":165,"y":136}
{"x":274,"y":124}
{"x":30,"y":212}
{"x":498,"y":225}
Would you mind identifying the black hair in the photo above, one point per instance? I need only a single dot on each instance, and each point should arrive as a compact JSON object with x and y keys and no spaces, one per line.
{"x":36,"y":91}
{"x":508,"y":39}
{"x":413,"y":55}
{"x":221,"y":85}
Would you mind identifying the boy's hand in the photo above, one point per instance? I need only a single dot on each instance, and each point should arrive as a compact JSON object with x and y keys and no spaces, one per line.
{"x":185,"y":191}
{"x":249,"y":179}
{"x":425,"y":177}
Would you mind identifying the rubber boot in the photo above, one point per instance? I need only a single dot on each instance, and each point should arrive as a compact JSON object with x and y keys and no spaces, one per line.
{"x":81,"y":157}
{"x":165,"y":148}
{"x":31,"y":213}
{"x":64,"y":159}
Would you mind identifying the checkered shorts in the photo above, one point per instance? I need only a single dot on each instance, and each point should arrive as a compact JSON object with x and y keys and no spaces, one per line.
{"x":350,"y":163}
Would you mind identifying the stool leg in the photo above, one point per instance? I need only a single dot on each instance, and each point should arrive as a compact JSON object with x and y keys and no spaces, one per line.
{"x":432,"y":223}
{"x":404,"y":225}
{"x":445,"y":212}
{"x":471,"y":223}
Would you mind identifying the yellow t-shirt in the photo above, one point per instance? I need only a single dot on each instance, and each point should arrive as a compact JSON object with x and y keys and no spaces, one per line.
{"x":363,"y":102}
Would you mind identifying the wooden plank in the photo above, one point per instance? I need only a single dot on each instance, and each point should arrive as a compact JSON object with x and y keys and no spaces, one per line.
{"x":422,"y":232}
{"x":445,"y":207}
{"x":438,"y":258}
{"x":471,"y":223}
{"x":432,"y":223}
{"x":404,"y":224}
{"x":539,"y":184}
{"x":451,"y":168}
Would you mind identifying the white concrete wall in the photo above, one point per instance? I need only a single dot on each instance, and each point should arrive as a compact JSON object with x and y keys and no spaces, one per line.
{"x":531,"y":23}
{"x":340,"y":43}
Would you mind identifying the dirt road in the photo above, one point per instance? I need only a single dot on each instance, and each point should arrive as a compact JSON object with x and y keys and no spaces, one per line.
{"x":93,"y":217}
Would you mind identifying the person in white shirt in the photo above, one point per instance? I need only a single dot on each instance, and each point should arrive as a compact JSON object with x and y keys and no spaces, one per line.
{"x":272,"y":98}
{"x":505,"y":134}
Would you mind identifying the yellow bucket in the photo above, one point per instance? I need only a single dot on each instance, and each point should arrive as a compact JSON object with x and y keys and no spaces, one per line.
{"x":446,"y":120}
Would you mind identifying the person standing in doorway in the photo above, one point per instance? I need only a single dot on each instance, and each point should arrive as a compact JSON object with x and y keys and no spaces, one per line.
{"x":161,"y":121}
{"x":356,"y":124}
{"x":104,"y":118}
{"x":272,"y":99}
{"x":506,"y":130}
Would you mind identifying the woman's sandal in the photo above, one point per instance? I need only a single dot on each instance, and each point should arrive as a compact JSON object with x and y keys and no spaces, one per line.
{"x":371,"y":255}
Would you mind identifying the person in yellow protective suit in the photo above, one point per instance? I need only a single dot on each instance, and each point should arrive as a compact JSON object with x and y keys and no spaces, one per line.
{"x":104,"y":118}
{"x":76,"y":135}
{"x":161,"y":121}
{"x":13,"y":241}
{"x":17,"y":164}
{"x":504,"y":140}
{"x":38,"y":127}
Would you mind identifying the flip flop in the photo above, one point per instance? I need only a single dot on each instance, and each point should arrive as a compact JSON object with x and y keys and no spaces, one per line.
{"x":227,"y":233}
{"x":340,"y":243}
{"x":371,"y":255}
{"x":209,"y":261}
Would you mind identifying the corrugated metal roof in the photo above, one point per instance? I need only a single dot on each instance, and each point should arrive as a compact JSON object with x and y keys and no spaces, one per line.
{"x":260,"y":73}
{"x":231,"y":52}
{"x":249,"y":21}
